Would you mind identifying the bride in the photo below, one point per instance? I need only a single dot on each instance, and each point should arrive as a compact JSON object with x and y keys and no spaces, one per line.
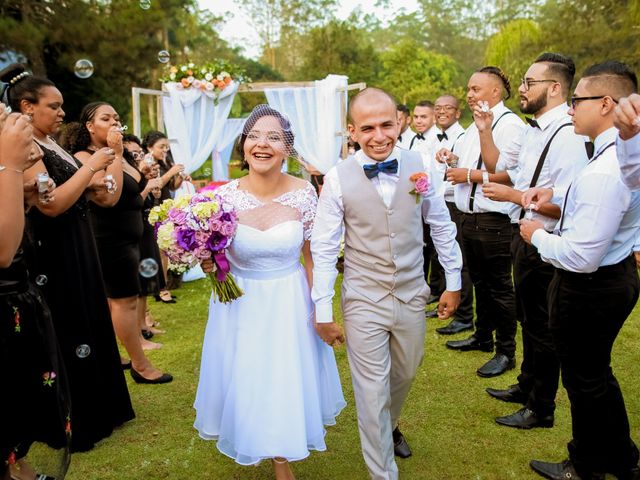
{"x":268,"y":384}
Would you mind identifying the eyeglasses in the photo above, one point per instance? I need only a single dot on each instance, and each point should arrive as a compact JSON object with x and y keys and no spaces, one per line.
{"x":527,"y":82}
{"x":444,"y":108}
{"x":575,"y":100}
{"x":268,"y":137}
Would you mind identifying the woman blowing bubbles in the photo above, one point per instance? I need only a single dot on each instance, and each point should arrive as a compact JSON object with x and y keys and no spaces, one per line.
{"x":67,"y":261}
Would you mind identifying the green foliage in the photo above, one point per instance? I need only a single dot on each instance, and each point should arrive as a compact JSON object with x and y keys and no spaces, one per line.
{"x":341,"y":48}
{"x":413,"y":74}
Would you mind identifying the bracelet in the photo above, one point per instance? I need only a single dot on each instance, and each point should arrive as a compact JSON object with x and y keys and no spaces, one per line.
{"x":469,"y":176}
{"x":2,"y":168}
{"x":93,"y":170}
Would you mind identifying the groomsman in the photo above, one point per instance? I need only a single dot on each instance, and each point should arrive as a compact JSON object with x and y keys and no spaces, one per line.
{"x":368,"y":197}
{"x":548,"y":154}
{"x":424,"y":125}
{"x":486,"y":227}
{"x":404,"y":121}
{"x":596,"y":284}
{"x":449,"y":134}
{"x":627,"y":120}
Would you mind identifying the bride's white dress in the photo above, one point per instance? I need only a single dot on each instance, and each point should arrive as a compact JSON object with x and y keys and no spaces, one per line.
{"x":268,"y":384}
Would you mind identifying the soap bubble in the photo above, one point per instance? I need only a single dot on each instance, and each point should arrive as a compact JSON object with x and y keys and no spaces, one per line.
{"x":145,"y":4}
{"x":83,"y":351}
{"x":41,"y":280}
{"x":164,"y":56}
{"x":83,"y":68}
{"x":148,"y":267}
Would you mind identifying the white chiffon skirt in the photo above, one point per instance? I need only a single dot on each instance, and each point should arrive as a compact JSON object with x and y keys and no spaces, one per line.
{"x":268,"y":384}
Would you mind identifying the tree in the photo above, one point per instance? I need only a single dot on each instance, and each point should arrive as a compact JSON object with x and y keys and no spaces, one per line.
{"x":413,"y":73}
{"x":341,"y":48}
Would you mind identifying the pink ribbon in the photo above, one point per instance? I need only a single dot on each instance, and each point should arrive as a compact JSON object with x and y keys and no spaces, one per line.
{"x":222,"y":263}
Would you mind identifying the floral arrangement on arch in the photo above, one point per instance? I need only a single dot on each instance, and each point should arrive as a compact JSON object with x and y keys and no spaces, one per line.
{"x":211,"y":77}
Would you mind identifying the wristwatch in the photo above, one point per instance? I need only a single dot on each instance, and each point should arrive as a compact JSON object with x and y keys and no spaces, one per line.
{"x":485,"y":177}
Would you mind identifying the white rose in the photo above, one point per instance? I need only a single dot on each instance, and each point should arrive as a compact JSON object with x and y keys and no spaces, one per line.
{"x":208,"y":86}
{"x":191,"y":65}
{"x":183,"y":68}
{"x":208,"y":77}
{"x":172,"y":76}
{"x":190,"y":78}
{"x":220,"y":77}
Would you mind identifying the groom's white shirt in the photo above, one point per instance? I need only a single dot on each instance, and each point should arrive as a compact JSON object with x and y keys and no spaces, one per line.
{"x":329,"y":225}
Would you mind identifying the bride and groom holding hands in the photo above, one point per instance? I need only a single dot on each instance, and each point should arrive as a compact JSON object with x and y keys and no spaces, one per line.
{"x":268,"y":380}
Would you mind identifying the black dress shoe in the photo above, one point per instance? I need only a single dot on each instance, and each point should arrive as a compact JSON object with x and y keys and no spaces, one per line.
{"x":164,"y":378}
{"x":513,"y":394}
{"x":400,"y":445}
{"x":499,"y":364}
{"x":454,"y":326}
{"x":471,"y":343}
{"x":147,"y":334}
{"x":561,"y":471}
{"x":526,"y":418}
{"x":431,"y":313}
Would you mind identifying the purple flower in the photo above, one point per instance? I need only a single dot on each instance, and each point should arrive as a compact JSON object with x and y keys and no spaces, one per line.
{"x":216,"y":242}
{"x":186,"y":238}
{"x":226,"y":217}
{"x":228,"y":229}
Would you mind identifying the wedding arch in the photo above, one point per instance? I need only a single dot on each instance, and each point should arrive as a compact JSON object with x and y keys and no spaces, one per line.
{"x":197,"y":124}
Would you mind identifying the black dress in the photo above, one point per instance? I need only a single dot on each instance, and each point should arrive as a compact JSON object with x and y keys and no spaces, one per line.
{"x":118,"y":231}
{"x":35,"y":398}
{"x":67,"y":255}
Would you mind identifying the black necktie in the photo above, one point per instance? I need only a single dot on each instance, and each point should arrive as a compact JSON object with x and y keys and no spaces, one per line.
{"x":442,"y":136}
{"x":532,"y":122}
{"x":372,"y":170}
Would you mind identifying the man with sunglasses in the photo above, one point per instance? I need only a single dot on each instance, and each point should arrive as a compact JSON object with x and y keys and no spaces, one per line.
{"x":595,"y":285}
{"x":548,"y":154}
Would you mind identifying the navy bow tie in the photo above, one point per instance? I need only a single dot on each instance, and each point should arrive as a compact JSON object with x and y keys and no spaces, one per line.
{"x":372,"y":170}
{"x":442,"y":136}
{"x":532,"y":122}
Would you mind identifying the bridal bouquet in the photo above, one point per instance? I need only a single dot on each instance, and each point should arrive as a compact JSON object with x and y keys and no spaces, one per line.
{"x":198,"y":227}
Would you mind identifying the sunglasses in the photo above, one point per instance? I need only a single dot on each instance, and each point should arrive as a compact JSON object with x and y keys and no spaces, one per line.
{"x":576,"y":100}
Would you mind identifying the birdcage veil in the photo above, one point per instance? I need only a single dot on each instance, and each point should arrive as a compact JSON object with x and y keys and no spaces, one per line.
{"x":277,"y":129}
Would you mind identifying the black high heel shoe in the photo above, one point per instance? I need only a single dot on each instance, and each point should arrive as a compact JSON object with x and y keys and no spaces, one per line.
{"x":164,"y":378}
{"x":164,"y":300}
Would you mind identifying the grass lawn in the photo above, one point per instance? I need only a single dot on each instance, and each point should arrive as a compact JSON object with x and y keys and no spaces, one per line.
{"x":448,"y":418}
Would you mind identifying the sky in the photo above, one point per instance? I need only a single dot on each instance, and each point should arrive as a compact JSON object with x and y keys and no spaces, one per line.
{"x":237,"y":29}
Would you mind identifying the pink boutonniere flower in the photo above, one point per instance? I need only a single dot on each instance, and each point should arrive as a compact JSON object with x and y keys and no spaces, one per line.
{"x":421,"y":185}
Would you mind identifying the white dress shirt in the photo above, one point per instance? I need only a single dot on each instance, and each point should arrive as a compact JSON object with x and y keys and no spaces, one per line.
{"x":404,"y":141}
{"x":423,"y":145}
{"x":505,"y":134}
{"x":566,"y":157}
{"x":329,"y":226}
{"x":454,"y":133}
{"x":629,"y":158}
{"x":601,"y":216}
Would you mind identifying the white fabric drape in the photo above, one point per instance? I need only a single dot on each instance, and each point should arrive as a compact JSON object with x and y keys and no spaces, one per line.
{"x":221,"y":151}
{"x":194,"y":122}
{"x":314,"y":113}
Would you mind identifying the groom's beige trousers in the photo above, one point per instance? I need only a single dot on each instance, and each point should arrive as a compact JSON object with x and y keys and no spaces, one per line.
{"x":385,"y":347}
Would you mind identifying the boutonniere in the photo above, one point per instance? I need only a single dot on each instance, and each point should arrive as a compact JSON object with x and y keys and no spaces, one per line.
{"x":420,"y":185}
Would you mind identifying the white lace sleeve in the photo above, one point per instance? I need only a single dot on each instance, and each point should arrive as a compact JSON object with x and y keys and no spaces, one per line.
{"x":305,"y":200}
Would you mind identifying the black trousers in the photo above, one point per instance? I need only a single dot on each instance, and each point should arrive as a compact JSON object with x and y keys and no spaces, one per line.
{"x":433,"y":271}
{"x":464,"y":314}
{"x":540,"y":369}
{"x":586,"y":314}
{"x":487,"y":246}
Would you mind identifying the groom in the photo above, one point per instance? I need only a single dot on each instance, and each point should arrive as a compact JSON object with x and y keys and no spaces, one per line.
{"x":368,"y":198}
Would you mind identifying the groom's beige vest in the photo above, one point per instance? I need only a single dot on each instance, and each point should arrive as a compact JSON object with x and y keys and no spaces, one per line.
{"x":383,"y":245}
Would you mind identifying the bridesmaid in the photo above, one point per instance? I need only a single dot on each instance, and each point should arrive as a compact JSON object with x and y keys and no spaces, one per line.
{"x":118,"y":231}
{"x":67,"y":261}
{"x":36,"y":410}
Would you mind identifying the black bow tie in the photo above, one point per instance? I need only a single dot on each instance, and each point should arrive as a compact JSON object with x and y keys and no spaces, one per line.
{"x":419,"y":136}
{"x":532,"y":122}
{"x":399,"y":138}
{"x":372,"y":170}
{"x":442,"y":136}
